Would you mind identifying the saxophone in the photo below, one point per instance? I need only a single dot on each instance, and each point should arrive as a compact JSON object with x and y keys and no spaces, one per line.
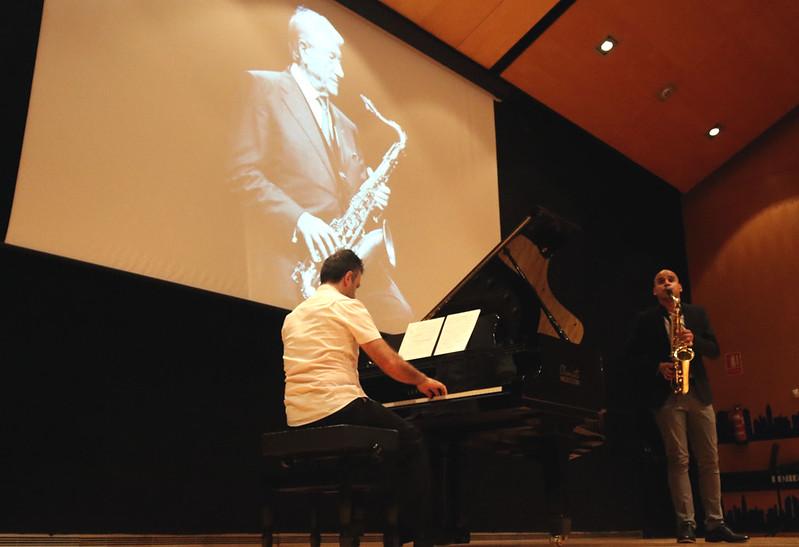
{"x":681,"y":355}
{"x":351,"y":227}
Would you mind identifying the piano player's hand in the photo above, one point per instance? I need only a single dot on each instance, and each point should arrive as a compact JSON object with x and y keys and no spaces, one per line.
{"x":432,"y":388}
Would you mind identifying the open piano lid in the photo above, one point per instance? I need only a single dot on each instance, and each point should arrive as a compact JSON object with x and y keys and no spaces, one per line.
{"x":512,"y":282}
{"x":521,"y":323}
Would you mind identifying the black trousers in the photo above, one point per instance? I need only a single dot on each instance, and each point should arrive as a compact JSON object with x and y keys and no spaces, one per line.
{"x":415,"y":495}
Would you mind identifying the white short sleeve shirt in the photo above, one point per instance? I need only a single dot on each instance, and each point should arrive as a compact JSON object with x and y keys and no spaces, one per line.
{"x":321,"y":340}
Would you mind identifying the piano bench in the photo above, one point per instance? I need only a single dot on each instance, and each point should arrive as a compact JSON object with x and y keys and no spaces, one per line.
{"x":346,"y":461}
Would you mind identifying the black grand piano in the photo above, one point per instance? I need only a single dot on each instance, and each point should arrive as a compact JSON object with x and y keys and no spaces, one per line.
{"x":524,"y":384}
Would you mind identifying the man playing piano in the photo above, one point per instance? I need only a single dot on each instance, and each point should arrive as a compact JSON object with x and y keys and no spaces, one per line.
{"x":321,"y":338}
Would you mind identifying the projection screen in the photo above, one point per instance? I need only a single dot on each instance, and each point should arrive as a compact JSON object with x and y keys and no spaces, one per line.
{"x":174,"y":140}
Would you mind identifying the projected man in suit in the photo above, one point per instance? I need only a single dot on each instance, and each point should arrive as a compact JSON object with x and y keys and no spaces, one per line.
{"x":682,"y":418}
{"x":297,"y":159}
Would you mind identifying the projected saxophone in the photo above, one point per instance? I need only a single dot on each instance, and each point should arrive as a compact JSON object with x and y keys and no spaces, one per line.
{"x":351,"y":227}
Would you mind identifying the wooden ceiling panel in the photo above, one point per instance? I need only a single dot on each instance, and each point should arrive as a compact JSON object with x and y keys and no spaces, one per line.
{"x":412,"y":9}
{"x":452,"y":21}
{"x":563,"y":68}
{"x":505,"y":26}
{"x":483,"y":30}
{"x":730,"y":62}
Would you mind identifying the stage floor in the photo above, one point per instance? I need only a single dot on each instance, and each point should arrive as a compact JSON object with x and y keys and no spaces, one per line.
{"x":578,"y":539}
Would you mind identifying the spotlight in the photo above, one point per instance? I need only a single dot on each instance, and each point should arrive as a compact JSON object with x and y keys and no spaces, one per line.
{"x":714,"y":131}
{"x":607,"y":45}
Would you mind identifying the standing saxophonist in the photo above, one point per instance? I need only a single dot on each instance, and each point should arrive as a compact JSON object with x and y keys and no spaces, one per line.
{"x":681,"y":417}
{"x":297,"y":160}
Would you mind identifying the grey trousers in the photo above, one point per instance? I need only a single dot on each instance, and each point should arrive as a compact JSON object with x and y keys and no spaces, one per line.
{"x":684,"y":419}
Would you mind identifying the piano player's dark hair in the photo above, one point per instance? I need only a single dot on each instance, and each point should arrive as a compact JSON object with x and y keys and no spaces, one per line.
{"x":336,"y":266}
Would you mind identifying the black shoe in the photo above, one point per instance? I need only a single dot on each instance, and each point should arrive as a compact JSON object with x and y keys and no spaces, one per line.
{"x":723,"y":533}
{"x":686,"y":533}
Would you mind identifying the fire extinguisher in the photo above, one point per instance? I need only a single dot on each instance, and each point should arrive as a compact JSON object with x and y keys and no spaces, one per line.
{"x":738,"y":425}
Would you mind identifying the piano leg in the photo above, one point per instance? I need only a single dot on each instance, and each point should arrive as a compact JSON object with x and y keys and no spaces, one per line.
{"x":552,"y":452}
{"x":268,"y":525}
{"x":449,"y":516}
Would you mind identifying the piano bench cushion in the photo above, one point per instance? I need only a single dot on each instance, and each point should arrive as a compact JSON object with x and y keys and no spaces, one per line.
{"x":329,"y":441}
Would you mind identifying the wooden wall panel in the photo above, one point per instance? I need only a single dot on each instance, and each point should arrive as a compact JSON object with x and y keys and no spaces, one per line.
{"x":742,"y":238}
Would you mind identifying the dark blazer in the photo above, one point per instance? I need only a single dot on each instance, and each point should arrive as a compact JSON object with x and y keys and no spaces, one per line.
{"x":283,"y":166}
{"x":649,"y":345}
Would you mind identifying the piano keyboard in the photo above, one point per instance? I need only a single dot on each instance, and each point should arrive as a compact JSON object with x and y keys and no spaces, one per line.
{"x":459,"y":395}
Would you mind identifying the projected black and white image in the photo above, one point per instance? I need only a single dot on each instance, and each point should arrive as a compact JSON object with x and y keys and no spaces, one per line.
{"x":286,"y":133}
{"x":298,"y":161}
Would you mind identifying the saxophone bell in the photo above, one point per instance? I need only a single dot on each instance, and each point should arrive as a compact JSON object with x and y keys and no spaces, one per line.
{"x":683,"y":353}
{"x":388,"y":239}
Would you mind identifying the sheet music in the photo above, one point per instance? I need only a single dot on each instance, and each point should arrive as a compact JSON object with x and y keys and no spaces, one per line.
{"x":420,"y":338}
{"x":457,"y":330}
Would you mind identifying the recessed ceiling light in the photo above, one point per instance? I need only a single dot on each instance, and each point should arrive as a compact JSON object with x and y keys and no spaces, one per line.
{"x":667,"y":92}
{"x":606,"y":45}
{"x":714,"y":131}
